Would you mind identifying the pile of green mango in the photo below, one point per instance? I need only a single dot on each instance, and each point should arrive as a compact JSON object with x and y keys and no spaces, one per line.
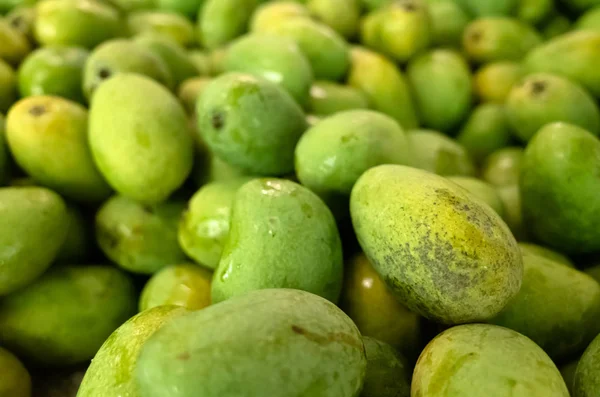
{"x":309,"y":198}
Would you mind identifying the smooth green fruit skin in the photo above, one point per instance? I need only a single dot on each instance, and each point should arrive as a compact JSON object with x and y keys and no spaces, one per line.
{"x":587,"y":381}
{"x":343,"y":16}
{"x":556,"y":26}
{"x":503,"y":167}
{"x":448,"y":21}
{"x":482,"y":190}
{"x":35,"y":227}
{"x":55,"y":70}
{"x":272,"y":13}
{"x":135,"y":5}
{"x":139,"y":238}
{"x":485,"y":360}
{"x":47,"y":136}
{"x":83,"y":23}
{"x":79,"y":242}
{"x":190,"y":90}
{"x":511,"y":198}
{"x":174,"y":26}
{"x":483,"y":8}
{"x":426,"y":236}
{"x":557,"y":307}
{"x":543,"y":98}
{"x":573,"y":55}
{"x":111,"y":373}
{"x":123,"y":56}
{"x":14,"y":46}
{"x":328,"y":98}
{"x":535,"y":12}
{"x":5,"y":161}
{"x":277,"y":59}
{"x":16,"y":381}
{"x":440,"y":154}
{"x":559,"y":177}
{"x":387,"y":371}
{"x":72,"y":309}
{"x":327,"y":52}
{"x":23,"y":18}
{"x":486,"y":130}
{"x":313,"y":349}
{"x":250,"y":123}
{"x":281,"y":236}
{"x":568,"y":373}
{"x":493,"y":82}
{"x":547,"y":253}
{"x":333,"y":154}
{"x":8,"y":86}
{"x":221,"y":21}
{"x":184,"y":8}
{"x":441,"y":83}
{"x":384,"y":85}
{"x":204,"y":226}
{"x":139,"y":137}
{"x":590,"y":20}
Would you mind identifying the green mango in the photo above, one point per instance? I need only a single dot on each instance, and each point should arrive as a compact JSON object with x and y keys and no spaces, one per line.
{"x":486,"y":130}
{"x":482,"y":190}
{"x":295,"y":343}
{"x":493,"y":81}
{"x":221,"y":21}
{"x":54,"y":70}
{"x":503,"y":167}
{"x":185,"y":8}
{"x":465,"y":265}
{"x":485,"y":360}
{"x":172,"y":54}
{"x":204,"y":226}
{"x":47,"y":136}
{"x":568,"y":373}
{"x":23,"y":18}
{"x":185,"y":285}
{"x":327,"y":51}
{"x":557,"y":307}
{"x":543,"y":98}
{"x":15,"y":381}
{"x":535,"y":12}
{"x":8,"y":86}
{"x":485,"y":8}
{"x":134,"y":5}
{"x":250,"y":123}
{"x":82,"y":23}
{"x":277,"y":59}
{"x":272,"y":13}
{"x":343,"y":16}
{"x":327,"y":98}
{"x":511,"y":200}
{"x":5,"y":157}
{"x":440,"y":154}
{"x":586,"y":382}
{"x":72,"y":309}
{"x":447,"y":23}
{"x":220,"y":171}
{"x":190,"y":90}
{"x":202,"y":61}
{"x":217,"y":61}
{"x":590,"y":20}
{"x":546,"y":253}
{"x":579,"y":5}
{"x":370,"y":5}
{"x":384,"y":85}
{"x":171,"y":25}
{"x":140,"y":239}
{"x":391,"y":322}
{"x":298,"y":246}
{"x":356,"y":140}
{"x":387,"y":371}
{"x":572,"y":55}
{"x":146,"y":164}
{"x":123,"y":56}
{"x":7,"y":5}
{"x":556,"y":26}
{"x":441,"y":83}
{"x":499,"y":39}
{"x":400,"y":30}
{"x":36,"y":224}
{"x":111,"y":371}
{"x":14,"y":45}
{"x":559,"y":177}
{"x":79,"y":242}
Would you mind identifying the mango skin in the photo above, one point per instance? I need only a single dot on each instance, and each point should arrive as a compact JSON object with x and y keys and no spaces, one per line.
{"x":272,"y":13}
{"x":424,"y":254}
{"x":485,"y":360}
{"x":14,"y":45}
{"x":47,"y":136}
{"x":5,"y":162}
{"x":204,"y":225}
{"x":440,"y":154}
{"x":328,"y":98}
{"x":144,"y":149}
{"x":442,"y":86}
{"x":558,"y":176}
{"x":589,"y":20}
{"x":111,"y":373}
{"x":173,"y":25}
{"x":23,"y":18}
{"x":8,"y":86}
{"x":558,"y":25}
{"x":483,"y":8}
{"x":313,"y":349}
{"x":36,"y":227}
{"x":140,"y":239}
{"x":250,"y":123}
{"x":511,"y":199}
{"x":190,"y":90}
{"x":281,"y":236}
{"x":543,"y":98}
{"x":493,"y":81}
{"x":503,"y":167}
{"x":73,"y":309}
{"x":448,"y":21}
{"x":343,"y":16}
{"x":221,"y":21}
{"x":16,"y":381}
{"x":482,"y":190}
{"x":535,"y":12}
{"x":387,"y":371}
{"x":547,"y":253}
{"x":587,"y":382}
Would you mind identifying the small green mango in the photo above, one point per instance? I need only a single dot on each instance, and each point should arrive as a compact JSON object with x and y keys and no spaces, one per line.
{"x":23,"y":18}
{"x":312,"y":349}
{"x":535,"y":12}
{"x":139,"y":137}
{"x":387,"y":371}
{"x":79,"y":241}
{"x":567,"y":371}
{"x":281,"y":236}
{"x":274,"y":13}
{"x":8,"y":86}
{"x":485,"y":360}
{"x":465,"y":265}
{"x":5,"y":157}
{"x":586,"y":382}
{"x":202,"y":61}
{"x":221,"y":21}
{"x":493,"y":81}
{"x":440,"y":154}
{"x":370,"y":5}
{"x":72,"y":309}
{"x":559,"y":177}
{"x":47,"y":136}
{"x":482,"y":190}
{"x":546,"y":253}
{"x":169,"y":24}
{"x":111,"y":373}
{"x":485,"y":8}
{"x":441,"y":83}
{"x":15,"y":381}
{"x":590,"y":20}
{"x":384,"y":85}
{"x":511,"y":200}
{"x":503,"y":167}
{"x":327,"y":98}
{"x":14,"y":45}
{"x":190,"y":90}
{"x":556,"y":26}
{"x":36,"y":224}
{"x":447,"y":23}
{"x":543,"y":98}
{"x":343,"y":16}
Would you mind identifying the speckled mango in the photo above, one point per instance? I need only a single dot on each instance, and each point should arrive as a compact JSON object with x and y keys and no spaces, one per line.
{"x":443,"y":252}
{"x":15,"y":381}
{"x":586,"y":382}
{"x":387,"y":371}
{"x":313,"y":349}
{"x":440,"y":154}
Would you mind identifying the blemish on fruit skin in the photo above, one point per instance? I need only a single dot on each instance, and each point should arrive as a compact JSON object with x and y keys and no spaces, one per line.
{"x":184,"y":356}
{"x":335,"y":337}
{"x":218,"y":120}
{"x":37,"y":110}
